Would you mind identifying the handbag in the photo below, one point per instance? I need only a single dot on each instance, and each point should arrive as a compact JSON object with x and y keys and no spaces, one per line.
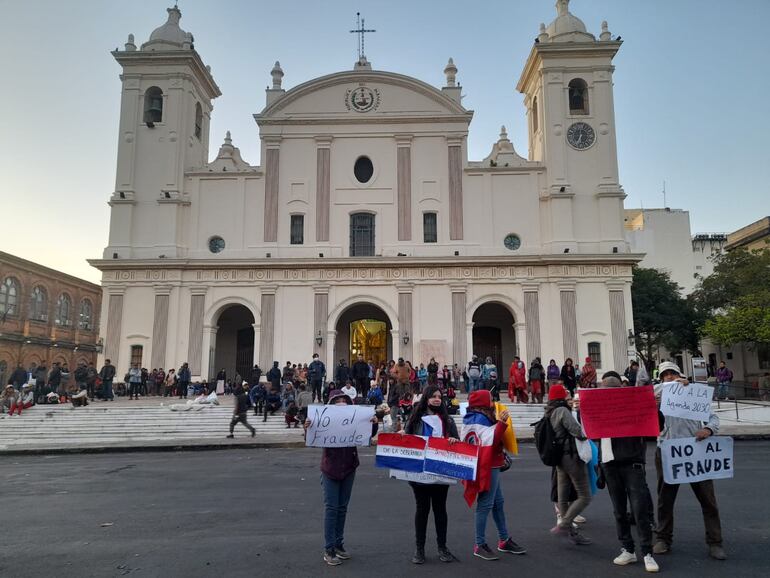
{"x":507,"y":462}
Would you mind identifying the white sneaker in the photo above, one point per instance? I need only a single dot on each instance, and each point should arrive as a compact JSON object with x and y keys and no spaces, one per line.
{"x":626,"y":557}
{"x":579,"y":519}
{"x":650,"y":564}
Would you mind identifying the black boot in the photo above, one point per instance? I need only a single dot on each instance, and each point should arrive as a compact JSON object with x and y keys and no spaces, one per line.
{"x":419,"y":556}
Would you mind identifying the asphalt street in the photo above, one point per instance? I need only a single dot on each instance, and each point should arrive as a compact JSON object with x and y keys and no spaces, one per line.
{"x":258,"y":512}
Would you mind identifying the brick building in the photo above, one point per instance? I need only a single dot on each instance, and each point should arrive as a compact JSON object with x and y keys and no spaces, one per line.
{"x":45,"y":316}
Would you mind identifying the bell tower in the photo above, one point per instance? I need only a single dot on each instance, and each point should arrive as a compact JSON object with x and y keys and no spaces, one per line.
{"x":166,"y":105}
{"x":568,"y":93}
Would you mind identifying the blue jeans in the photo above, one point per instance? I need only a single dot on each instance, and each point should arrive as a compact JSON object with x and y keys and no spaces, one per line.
{"x":722,"y":390}
{"x":107,"y":389}
{"x":336,"y":498}
{"x":474,"y":383}
{"x":491,"y":500}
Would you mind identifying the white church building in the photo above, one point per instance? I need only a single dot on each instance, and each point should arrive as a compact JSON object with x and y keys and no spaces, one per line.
{"x":366,"y":228}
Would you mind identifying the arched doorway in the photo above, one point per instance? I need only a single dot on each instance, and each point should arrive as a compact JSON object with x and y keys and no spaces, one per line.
{"x":494,"y":335}
{"x":363,"y":328}
{"x":234,"y":343}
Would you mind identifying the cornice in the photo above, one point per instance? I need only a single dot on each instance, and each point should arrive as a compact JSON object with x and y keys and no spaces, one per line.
{"x":171,"y":57}
{"x":347,"y":119}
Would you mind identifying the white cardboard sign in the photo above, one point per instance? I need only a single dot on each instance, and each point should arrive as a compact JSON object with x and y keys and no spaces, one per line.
{"x":686,"y":460}
{"x":339,"y":426}
{"x":687,"y":401}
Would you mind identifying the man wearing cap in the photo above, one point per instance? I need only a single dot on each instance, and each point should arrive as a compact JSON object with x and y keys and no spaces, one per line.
{"x":622,"y":462}
{"x":675,"y":428}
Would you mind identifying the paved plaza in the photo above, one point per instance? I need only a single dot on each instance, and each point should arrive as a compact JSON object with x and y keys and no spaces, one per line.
{"x":250,"y":512}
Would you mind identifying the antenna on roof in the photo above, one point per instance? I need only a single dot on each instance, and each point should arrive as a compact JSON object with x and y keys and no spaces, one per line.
{"x":665,"y":206}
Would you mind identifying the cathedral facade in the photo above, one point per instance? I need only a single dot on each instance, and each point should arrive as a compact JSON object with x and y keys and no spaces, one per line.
{"x":366,"y":228}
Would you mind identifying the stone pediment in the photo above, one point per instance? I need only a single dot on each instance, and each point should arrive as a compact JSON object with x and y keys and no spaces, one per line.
{"x":362,"y":96}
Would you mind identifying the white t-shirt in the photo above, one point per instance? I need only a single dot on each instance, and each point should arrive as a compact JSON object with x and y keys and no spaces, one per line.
{"x":350,"y":391}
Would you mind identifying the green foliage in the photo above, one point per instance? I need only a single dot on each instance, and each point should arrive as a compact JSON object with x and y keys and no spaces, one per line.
{"x":735,"y":299}
{"x":662,"y":317}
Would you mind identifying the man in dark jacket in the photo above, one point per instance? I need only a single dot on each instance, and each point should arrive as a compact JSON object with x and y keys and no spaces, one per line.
{"x":54,"y":378}
{"x":81,"y":376}
{"x":316,"y":372}
{"x":360,"y":373}
{"x":40,"y":390}
{"x":242,"y":405}
{"x":255,"y":375}
{"x":91,"y":380}
{"x":274,"y":376}
{"x":18,"y":377}
{"x":183,"y":379}
{"x":342,"y":374}
{"x":107,"y":374}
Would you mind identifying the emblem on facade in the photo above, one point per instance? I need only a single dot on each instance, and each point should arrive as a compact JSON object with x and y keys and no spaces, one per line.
{"x":362,"y":99}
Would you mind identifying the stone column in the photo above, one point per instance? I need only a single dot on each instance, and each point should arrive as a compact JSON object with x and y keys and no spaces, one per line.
{"x":455,"y":188}
{"x":405,"y":319}
{"x":618,"y":326}
{"x":404,"y":180}
{"x":114,"y":327}
{"x":323,"y":187}
{"x":272,"y":167}
{"x":320,"y":319}
{"x":160,"y":327}
{"x":459,"y":343}
{"x":532,"y":319}
{"x":267,"y":324}
{"x":195,"y":336}
{"x":567,"y":297}
{"x":210,"y":347}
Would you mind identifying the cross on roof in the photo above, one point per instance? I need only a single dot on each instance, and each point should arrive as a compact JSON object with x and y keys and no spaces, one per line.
{"x":361,"y":31}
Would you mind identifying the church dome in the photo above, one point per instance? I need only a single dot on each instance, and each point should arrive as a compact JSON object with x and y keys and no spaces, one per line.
{"x":567,"y":27}
{"x":169,"y":36}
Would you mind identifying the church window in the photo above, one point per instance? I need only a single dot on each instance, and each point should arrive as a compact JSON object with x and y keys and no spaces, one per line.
{"x":198,"y":120}
{"x":136,"y":355}
{"x":535,"y":124}
{"x":64,"y":310}
{"x":363,"y":169}
{"x":153,"y":105}
{"x":429,"y":228}
{"x":595,"y":353}
{"x":578,"y":96}
{"x":362,"y":235}
{"x":9,"y":297}
{"x":297,"y":229}
{"x":38,"y":305}
{"x":86,"y":315}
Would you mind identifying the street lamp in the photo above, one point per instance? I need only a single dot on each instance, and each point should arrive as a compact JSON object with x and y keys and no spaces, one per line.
{"x":405,"y":339}
{"x":319,"y":338}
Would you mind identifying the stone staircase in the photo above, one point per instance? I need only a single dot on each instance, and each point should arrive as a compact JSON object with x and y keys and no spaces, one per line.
{"x":150,"y":423}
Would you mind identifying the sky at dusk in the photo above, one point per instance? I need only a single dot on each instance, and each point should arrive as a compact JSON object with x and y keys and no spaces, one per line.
{"x":691,"y":86}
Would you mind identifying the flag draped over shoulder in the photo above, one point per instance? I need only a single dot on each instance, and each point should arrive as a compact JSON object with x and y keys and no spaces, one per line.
{"x":477,"y":430}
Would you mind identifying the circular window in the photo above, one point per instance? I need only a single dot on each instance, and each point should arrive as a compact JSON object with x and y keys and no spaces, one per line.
{"x":363,"y":169}
{"x":512,"y":242}
{"x":216,"y":244}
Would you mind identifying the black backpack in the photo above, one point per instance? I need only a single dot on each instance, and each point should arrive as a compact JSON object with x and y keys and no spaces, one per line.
{"x":550,"y":448}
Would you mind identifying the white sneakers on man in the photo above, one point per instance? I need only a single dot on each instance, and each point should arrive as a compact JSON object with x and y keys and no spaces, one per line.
{"x":625,"y":557}
{"x":650,"y":564}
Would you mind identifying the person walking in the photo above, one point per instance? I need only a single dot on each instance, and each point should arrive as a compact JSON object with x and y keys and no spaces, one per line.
{"x":134,"y":381}
{"x":622,"y":462}
{"x":430,"y":418}
{"x":568,"y":376}
{"x":724,"y":379}
{"x":338,"y":472}
{"x":481,"y":427}
{"x":316,"y":372}
{"x":571,"y":469}
{"x":241,"y":411}
{"x":677,"y":428}
{"x":474,"y":374}
{"x":107,"y":374}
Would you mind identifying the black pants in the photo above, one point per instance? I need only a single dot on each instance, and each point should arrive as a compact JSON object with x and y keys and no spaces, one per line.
{"x":316,"y":387}
{"x":259,"y":406}
{"x":426,"y":495}
{"x":627,"y":482}
{"x":362,"y":385}
{"x":91,"y":390}
{"x":134,"y":390}
{"x":182,"y":389}
{"x":272,"y":408}
{"x":240,"y":417}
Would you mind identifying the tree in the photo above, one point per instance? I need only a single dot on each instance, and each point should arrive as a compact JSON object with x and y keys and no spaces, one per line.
{"x":735,"y":299}
{"x":662,"y":317}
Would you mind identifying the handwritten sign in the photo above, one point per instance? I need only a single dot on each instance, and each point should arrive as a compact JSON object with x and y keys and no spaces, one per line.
{"x":400,"y":452}
{"x":619,"y":412}
{"x":688,"y":401}
{"x":339,"y":426}
{"x":421,"y":478}
{"x":686,"y":460}
{"x":456,"y":460}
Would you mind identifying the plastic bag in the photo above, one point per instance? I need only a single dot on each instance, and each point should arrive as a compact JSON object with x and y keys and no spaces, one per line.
{"x":584,"y":450}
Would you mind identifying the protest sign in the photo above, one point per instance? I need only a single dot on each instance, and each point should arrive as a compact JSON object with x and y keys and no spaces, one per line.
{"x":421,"y":478}
{"x":688,"y":401}
{"x":339,"y":426}
{"x":457,"y":460}
{"x":400,"y":452}
{"x":619,"y":412}
{"x":686,"y":460}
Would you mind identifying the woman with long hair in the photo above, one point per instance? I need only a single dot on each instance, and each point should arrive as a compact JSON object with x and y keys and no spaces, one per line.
{"x":430,"y":418}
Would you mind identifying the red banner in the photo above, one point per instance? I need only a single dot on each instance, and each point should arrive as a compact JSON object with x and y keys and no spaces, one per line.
{"x":619,"y":412}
